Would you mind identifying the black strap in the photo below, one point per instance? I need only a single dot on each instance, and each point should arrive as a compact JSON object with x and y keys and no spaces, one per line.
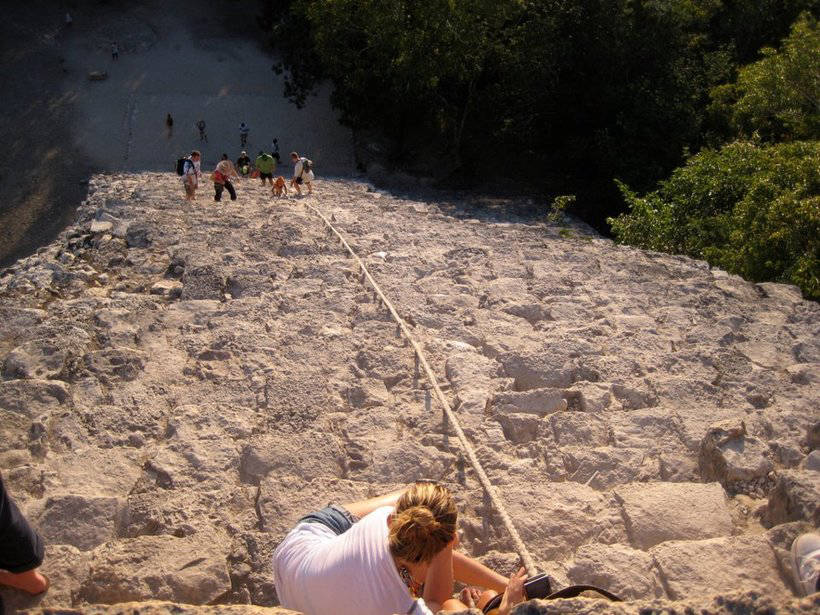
{"x":573,"y":591}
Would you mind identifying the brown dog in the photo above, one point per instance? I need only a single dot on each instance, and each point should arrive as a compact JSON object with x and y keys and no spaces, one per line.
{"x":279,"y":186}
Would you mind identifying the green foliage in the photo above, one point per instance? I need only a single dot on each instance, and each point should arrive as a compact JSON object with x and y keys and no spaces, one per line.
{"x":559,"y":208}
{"x":558,"y":93}
{"x":750,"y":209}
{"x":778,"y":97}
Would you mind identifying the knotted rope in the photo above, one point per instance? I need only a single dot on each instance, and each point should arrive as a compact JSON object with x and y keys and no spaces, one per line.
{"x":488,"y":487}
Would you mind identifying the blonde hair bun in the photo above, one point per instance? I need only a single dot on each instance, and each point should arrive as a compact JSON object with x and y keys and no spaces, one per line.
{"x":423,"y":524}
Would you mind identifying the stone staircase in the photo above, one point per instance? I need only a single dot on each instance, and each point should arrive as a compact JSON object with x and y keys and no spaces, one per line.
{"x":181,"y":382}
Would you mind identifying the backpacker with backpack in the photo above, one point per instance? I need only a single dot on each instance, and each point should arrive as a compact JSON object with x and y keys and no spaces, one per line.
{"x":307,"y":165}
{"x":181,"y":165}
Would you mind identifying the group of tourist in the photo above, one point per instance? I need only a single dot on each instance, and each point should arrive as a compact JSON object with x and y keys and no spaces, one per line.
{"x":264,"y":167}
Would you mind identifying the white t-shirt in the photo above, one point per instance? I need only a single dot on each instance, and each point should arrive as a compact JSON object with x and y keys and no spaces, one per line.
{"x":297,"y":171}
{"x":191,"y":172}
{"x":319,"y":573}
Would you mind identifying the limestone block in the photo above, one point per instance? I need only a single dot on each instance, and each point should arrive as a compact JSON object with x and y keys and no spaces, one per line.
{"x":84,"y":522}
{"x":574,"y":512}
{"x":366,"y":393}
{"x":766,"y":354}
{"x":592,"y":396}
{"x":657,"y":512}
{"x":795,"y":497}
{"x":101,"y":226}
{"x":114,"y":364}
{"x":579,"y":429}
{"x":719,"y":565}
{"x":728,"y":454}
{"x":203,"y":282}
{"x":138,"y":235}
{"x":804,"y":373}
{"x":536,"y":401}
{"x":41,"y":359}
{"x":14,"y":321}
{"x":264,"y":453}
{"x":626,"y":572}
{"x":167,"y":288}
{"x":191,"y":569}
{"x":607,"y":466}
{"x":519,"y":427}
{"x":657,"y":428}
{"x":537,"y":370}
{"x":633,"y":396}
{"x":32,"y":398}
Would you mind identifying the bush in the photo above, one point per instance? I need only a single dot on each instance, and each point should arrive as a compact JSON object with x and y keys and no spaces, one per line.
{"x":777,"y":98}
{"x":752,"y":210}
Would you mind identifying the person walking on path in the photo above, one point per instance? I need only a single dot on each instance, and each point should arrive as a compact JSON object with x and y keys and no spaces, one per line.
{"x":169,"y":125}
{"x":266,"y":165}
{"x":243,"y":163}
{"x":243,"y":134}
{"x":191,"y":174}
{"x":275,"y":150}
{"x":222,"y":178}
{"x":21,"y":549}
{"x":302,"y":173}
{"x":202,"y":136}
{"x":115,"y":51}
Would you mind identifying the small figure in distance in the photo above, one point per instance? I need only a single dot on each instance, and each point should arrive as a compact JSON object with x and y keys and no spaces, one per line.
{"x":21,"y":549}
{"x":202,"y":136}
{"x":191,"y":174}
{"x":280,"y":188}
{"x":68,"y":20}
{"x":115,"y":51}
{"x":169,"y":125}
{"x":243,"y":164}
{"x":266,"y":165}
{"x":302,"y":173}
{"x":275,"y":150}
{"x":243,"y":134}
{"x":222,"y":178}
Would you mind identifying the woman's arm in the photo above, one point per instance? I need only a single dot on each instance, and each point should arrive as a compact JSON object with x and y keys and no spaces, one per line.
{"x":365,"y":507}
{"x":472,"y":572}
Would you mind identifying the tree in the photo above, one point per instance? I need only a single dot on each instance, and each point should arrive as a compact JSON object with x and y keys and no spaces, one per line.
{"x":777,"y":98}
{"x":751,"y":209}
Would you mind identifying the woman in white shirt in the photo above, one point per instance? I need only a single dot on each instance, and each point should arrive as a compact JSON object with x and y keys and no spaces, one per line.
{"x":378,"y":556}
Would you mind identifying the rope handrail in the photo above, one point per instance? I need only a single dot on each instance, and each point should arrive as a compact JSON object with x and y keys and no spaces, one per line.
{"x":488,"y":487}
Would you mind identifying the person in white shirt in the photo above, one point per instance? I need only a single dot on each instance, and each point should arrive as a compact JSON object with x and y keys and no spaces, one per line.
{"x":380,"y":556}
{"x":190,"y":175}
{"x":300,"y":175}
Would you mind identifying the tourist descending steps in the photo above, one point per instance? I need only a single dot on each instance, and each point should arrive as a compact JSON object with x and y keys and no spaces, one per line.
{"x":266,"y":165}
{"x":243,"y":134}
{"x":243,"y":164}
{"x":201,"y":126}
{"x":275,"y":150}
{"x":191,"y":174}
{"x":302,"y":173}
{"x":21,"y":549}
{"x":222,"y":178}
{"x":390,"y":554}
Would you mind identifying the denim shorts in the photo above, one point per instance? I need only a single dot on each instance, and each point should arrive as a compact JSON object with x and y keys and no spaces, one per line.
{"x":334,"y":517}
